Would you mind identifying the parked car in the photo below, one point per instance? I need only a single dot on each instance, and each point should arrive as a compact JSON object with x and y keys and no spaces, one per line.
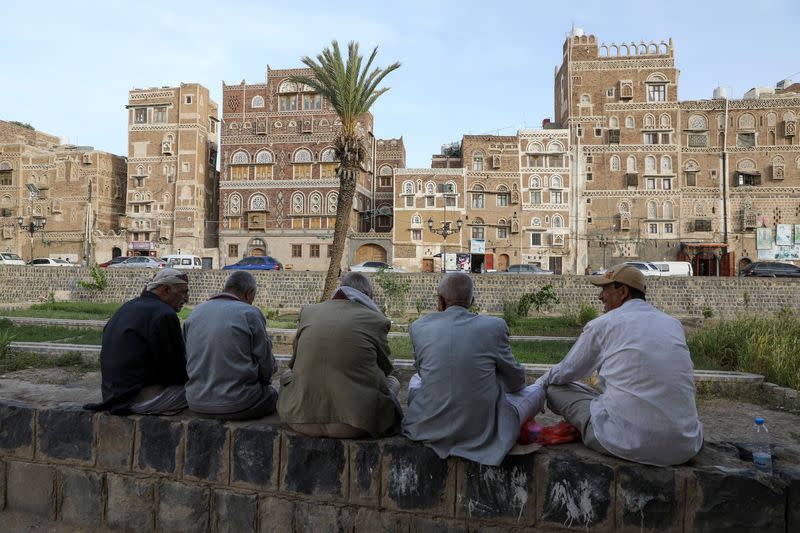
{"x":7,"y":258}
{"x":374,"y":266}
{"x":139,"y":261}
{"x":770,"y":269}
{"x":648,"y":269}
{"x":183,"y":261}
{"x":674,"y":268}
{"x":47,"y":261}
{"x":264,"y":262}
{"x":527,"y":269}
{"x":114,"y":261}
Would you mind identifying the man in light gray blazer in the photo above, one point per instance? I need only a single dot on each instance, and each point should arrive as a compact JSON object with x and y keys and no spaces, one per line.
{"x":460,"y":402}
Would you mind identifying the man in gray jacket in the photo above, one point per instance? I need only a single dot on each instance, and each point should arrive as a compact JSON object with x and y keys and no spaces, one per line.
{"x":469,"y":398}
{"x":229,"y":355}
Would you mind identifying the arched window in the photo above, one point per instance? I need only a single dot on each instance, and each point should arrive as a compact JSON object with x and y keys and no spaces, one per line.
{"x":534,"y":147}
{"x":333,"y":197}
{"x":652,"y":210}
{"x":298,"y":202}
{"x":555,"y":182}
{"x":630,"y":164}
{"x":328,"y":155}
{"x":315,"y":203}
{"x":235,"y":204}
{"x":477,"y":160}
{"x":264,"y":157}
{"x":502,"y":229}
{"x":747,"y":122}
{"x":258,"y":202}
{"x":668,"y":211}
{"x":478,"y":229}
{"x":430,"y":188}
{"x":450,"y":187}
{"x":257,"y":101}
{"x":665,"y":120}
{"x":698,"y":122}
{"x":502,"y":197}
{"x":416,"y":220}
{"x":666,"y":164}
{"x":629,"y":122}
{"x":240,"y":158}
{"x":614,"y":162}
{"x":558,"y":222}
{"x":555,"y":147}
{"x":586,"y":99}
{"x":536,"y":182}
{"x":649,"y":121}
{"x":408,"y":187}
{"x":613,"y":123}
{"x":302,"y":156}
{"x":385,"y":170}
{"x":649,"y":163}
{"x":477,"y":197}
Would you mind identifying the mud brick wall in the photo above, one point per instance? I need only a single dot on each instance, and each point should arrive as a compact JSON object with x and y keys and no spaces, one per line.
{"x":684,"y":297}
{"x":184,"y":474}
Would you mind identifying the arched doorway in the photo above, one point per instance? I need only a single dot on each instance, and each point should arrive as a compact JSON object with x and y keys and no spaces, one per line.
{"x":115,"y":252}
{"x":743,"y":262}
{"x":502,"y":262}
{"x":370,"y":252}
{"x":257,"y":247}
{"x":705,"y":264}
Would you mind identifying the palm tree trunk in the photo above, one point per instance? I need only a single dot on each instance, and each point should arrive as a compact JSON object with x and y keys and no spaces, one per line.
{"x":344,"y":205}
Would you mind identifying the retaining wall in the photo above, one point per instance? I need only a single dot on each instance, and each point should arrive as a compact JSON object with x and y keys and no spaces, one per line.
{"x":684,"y":297}
{"x":185,"y":474}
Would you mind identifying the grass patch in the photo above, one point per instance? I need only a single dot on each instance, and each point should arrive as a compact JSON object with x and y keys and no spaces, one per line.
{"x":73,"y":310}
{"x":11,"y":362}
{"x":766,"y":345}
{"x":56,"y":334}
{"x":558,"y":326}
{"x":525,"y":352}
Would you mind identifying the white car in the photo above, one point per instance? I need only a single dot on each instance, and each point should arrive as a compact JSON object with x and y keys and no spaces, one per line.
{"x":7,"y":258}
{"x":48,"y":261}
{"x":648,"y":269}
{"x":374,"y":266}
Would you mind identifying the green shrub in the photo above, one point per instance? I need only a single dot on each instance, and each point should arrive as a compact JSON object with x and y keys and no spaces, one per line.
{"x":543,"y":299}
{"x":395,"y":288}
{"x":99,"y":279}
{"x":707,"y":311}
{"x":587,"y":313}
{"x":765,"y":345}
{"x":510,"y":312}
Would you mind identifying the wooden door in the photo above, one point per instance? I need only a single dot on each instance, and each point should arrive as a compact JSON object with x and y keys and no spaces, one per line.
{"x":370,"y":252}
{"x":502,"y":262}
{"x":427,"y":265}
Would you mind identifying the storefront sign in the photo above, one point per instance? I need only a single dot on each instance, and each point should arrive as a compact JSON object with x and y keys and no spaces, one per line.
{"x":477,"y":246}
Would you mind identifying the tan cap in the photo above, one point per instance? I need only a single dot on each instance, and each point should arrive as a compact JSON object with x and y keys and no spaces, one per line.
{"x":625,"y":274}
{"x":168,"y":276}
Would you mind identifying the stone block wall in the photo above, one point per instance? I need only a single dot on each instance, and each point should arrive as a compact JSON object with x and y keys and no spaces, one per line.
{"x":185,"y":474}
{"x":683,"y":297}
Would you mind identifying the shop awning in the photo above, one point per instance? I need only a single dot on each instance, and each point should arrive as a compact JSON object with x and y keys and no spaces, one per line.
{"x":704,"y":244}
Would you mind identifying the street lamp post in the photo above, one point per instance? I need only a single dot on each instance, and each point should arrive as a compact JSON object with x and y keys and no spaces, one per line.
{"x":445,"y":230}
{"x":34,"y":224}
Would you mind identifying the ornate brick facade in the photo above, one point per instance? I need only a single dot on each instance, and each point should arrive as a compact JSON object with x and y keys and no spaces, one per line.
{"x":78,"y":190}
{"x":172,"y":178}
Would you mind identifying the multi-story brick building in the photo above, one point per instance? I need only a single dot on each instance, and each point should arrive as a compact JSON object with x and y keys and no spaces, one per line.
{"x":76,"y":190}
{"x":279,"y":189}
{"x":505,"y":198}
{"x":657,"y":178}
{"x":172,"y":177}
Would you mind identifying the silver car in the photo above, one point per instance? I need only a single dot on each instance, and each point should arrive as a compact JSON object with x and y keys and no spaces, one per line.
{"x":140,"y":261}
{"x":528,"y":269}
{"x":648,"y":269}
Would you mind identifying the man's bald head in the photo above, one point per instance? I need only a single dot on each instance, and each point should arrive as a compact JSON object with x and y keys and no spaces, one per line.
{"x":455,"y":288}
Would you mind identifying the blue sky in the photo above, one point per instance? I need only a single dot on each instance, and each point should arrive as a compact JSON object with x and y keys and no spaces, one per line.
{"x":468,"y":67}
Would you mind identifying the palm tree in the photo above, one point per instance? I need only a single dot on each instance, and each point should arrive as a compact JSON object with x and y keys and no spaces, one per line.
{"x":350,"y":90}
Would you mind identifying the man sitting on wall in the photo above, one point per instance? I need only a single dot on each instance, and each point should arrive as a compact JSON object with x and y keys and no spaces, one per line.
{"x":646,"y":412}
{"x":229,"y":354}
{"x":142,"y":358}
{"x":469,"y":398}
{"x":339,"y":384}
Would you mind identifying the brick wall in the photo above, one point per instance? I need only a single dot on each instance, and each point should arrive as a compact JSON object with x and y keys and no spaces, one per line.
{"x":184,"y":474}
{"x":684,"y":297}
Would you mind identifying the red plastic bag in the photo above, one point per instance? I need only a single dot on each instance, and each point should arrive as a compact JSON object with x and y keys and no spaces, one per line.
{"x":560,"y":433}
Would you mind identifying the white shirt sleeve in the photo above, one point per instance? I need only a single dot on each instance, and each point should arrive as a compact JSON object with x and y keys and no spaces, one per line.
{"x":580,"y":362}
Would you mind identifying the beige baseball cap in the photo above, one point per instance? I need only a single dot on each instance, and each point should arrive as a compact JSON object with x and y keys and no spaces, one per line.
{"x":625,"y":274}
{"x":168,"y":276}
